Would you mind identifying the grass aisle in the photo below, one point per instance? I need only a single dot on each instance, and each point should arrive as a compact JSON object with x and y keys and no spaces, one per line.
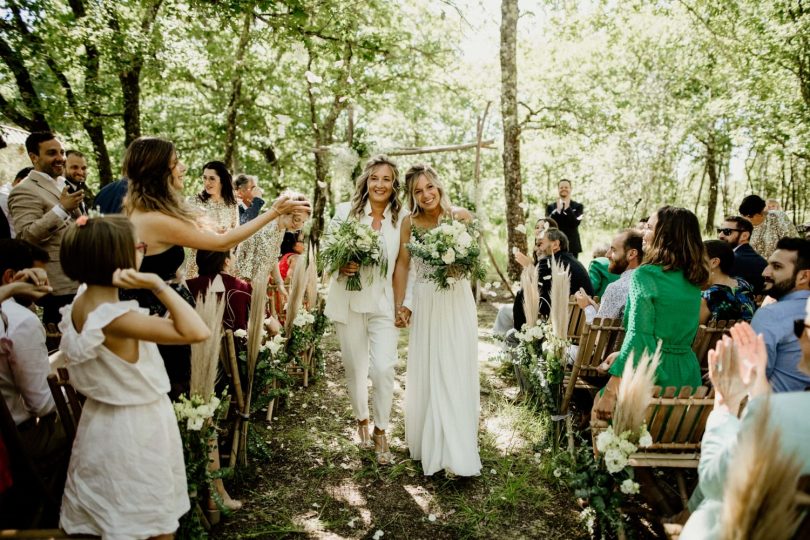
{"x":314,"y":482}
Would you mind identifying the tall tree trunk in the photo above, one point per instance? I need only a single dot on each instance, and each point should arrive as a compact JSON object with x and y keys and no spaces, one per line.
{"x":714,"y":181}
{"x":511,"y":133}
{"x":236,"y":91}
{"x":33,"y":119}
{"x":130,"y":80}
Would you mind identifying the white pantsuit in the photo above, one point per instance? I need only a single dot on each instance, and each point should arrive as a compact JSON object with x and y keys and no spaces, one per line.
{"x":364,"y":322}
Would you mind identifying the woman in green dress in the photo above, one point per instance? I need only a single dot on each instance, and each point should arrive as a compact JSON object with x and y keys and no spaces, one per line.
{"x":663,"y":304}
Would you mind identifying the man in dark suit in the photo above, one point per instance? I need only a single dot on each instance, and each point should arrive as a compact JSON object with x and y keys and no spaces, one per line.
{"x":568,"y":215}
{"x":553,"y":242}
{"x":748,"y":264}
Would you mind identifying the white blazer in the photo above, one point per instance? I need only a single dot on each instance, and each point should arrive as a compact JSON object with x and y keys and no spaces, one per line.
{"x":377,"y":295}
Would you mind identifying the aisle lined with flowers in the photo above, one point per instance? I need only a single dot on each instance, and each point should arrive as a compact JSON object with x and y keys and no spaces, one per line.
{"x":306,"y":476}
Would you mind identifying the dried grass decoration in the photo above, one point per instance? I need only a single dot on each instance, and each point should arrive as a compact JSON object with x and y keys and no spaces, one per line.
{"x":258,"y":305}
{"x":560,"y":288}
{"x":531,"y":294}
{"x":760,"y":495}
{"x":635,"y":392}
{"x":205,"y":354}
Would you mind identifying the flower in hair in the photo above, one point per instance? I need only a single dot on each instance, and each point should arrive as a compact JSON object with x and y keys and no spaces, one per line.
{"x":81,"y":221}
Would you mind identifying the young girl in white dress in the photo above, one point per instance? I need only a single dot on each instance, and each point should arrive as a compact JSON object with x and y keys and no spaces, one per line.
{"x":442,"y":391}
{"x":126,"y":477}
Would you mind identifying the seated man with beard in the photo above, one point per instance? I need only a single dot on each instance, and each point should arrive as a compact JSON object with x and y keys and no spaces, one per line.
{"x":625,"y":254}
{"x":787,"y":280}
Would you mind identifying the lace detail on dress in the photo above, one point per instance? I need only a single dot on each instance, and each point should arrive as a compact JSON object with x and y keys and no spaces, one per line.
{"x":421,"y":270}
{"x":82,"y":346}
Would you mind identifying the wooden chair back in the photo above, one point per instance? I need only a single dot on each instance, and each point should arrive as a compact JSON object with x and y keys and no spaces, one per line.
{"x":52,"y":337}
{"x":597,"y":341}
{"x":804,"y":526}
{"x":706,"y":338}
{"x":676,"y":422}
{"x":68,"y":401}
{"x":576,"y":319}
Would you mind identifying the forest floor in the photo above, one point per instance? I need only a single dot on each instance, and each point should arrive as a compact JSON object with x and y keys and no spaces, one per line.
{"x":308,"y":479}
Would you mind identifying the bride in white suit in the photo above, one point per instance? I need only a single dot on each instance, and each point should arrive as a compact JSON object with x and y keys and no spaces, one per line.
{"x":364,"y":319}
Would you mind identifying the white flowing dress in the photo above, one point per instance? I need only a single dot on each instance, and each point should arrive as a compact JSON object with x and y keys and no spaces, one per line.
{"x":126,"y":477}
{"x":442,"y":398}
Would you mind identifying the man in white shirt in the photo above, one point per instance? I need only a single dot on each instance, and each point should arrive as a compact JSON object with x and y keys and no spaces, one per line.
{"x":24,"y":368}
{"x":41,"y":207}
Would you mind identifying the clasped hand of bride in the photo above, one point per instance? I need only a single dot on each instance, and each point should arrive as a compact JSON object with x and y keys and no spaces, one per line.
{"x":402,"y":317}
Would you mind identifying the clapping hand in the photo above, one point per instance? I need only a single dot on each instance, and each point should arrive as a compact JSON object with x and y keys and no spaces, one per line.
{"x":522,"y":259}
{"x":582,"y":298}
{"x":753,"y":359}
{"x":724,"y":372}
{"x":286,"y":205}
{"x":31,"y":283}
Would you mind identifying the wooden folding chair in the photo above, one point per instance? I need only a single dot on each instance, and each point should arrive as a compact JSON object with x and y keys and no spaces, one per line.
{"x":68,"y":401}
{"x":706,"y":339}
{"x":52,"y":337}
{"x":576,"y":319}
{"x":598,"y":340}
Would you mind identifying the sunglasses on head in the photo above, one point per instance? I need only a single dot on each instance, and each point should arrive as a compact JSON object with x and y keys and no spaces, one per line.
{"x":799,"y":326}
{"x":727,"y":231}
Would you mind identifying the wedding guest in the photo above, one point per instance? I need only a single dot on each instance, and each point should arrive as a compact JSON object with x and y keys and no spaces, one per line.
{"x":110,"y":199}
{"x":787,"y":280}
{"x":126,"y":476}
{"x":216,"y":203}
{"x":598,"y":270}
{"x":213,"y":269}
{"x":41,"y":208}
{"x":748,"y":264}
{"x":442,"y":398}
{"x":663,"y":305}
{"x":24,"y":365}
{"x":552,"y":243}
{"x":76,"y":178}
{"x":5,"y":191}
{"x":625,"y":254}
{"x":787,"y":416}
{"x":166,"y":225}
{"x":773,"y":204}
{"x":568,"y":214}
{"x":364,"y":320}
{"x":726,"y":298}
{"x":769,"y":225}
{"x":250,"y":198}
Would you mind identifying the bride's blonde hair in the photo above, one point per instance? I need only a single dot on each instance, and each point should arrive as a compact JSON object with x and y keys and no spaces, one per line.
{"x":412,"y":176}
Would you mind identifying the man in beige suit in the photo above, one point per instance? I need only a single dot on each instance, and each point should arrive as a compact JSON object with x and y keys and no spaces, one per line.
{"x":41,"y":207}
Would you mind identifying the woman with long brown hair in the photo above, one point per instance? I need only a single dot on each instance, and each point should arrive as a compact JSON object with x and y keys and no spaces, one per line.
{"x":663,"y":305}
{"x":364,"y":320}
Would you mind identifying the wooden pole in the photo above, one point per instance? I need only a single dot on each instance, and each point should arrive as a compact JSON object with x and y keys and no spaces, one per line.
{"x":436,"y":149}
{"x":479,"y":134}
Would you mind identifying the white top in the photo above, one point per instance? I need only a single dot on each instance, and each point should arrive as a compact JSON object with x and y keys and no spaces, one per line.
{"x":377,"y":295}
{"x":108,"y":378}
{"x":5,"y":189}
{"x":24,"y":365}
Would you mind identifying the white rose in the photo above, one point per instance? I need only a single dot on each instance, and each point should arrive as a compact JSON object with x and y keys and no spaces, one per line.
{"x":274,"y":347}
{"x":241,"y":333}
{"x":449,"y":257}
{"x":604,"y":440}
{"x":615,"y":460}
{"x":627,"y":447}
{"x":645,"y":440}
{"x":464,"y":239}
{"x":195,"y":424}
{"x":629,"y":487}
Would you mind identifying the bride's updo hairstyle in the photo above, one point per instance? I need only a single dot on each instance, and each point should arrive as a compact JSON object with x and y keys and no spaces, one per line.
{"x":360,"y":197}
{"x":412,"y":176}
{"x":93,"y":249}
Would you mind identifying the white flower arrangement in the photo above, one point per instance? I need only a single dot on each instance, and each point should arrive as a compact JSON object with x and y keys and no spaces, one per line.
{"x":351,"y":241}
{"x":195,"y":411}
{"x":616,"y":449}
{"x":451,"y":250}
{"x":303,"y":318}
{"x":273,"y":345}
{"x":240,"y":333}
{"x":629,"y":487}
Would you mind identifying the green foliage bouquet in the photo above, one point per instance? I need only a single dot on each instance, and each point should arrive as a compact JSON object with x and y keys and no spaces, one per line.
{"x":543,"y":354}
{"x":351,"y":241}
{"x":451,"y":251}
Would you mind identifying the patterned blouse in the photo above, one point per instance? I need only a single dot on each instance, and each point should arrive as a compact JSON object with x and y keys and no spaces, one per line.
{"x":776,"y":226}
{"x":218,"y":217}
{"x":727,"y":303}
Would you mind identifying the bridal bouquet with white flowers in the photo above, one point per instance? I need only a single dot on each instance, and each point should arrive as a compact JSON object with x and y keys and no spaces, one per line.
{"x":451,"y":251}
{"x":351,"y":241}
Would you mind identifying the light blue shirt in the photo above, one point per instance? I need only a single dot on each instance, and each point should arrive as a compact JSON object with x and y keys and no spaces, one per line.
{"x":775,"y":323}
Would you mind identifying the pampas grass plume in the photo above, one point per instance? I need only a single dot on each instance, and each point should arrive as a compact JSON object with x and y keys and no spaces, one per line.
{"x":760,"y":495}
{"x":531,"y":294}
{"x":635,"y":392}
{"x":205,"y":354}
{"x":560,"y":289}
{"x":298,"y":286}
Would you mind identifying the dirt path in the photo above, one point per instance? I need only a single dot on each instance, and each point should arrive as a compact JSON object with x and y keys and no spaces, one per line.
{"x":309,"y":480}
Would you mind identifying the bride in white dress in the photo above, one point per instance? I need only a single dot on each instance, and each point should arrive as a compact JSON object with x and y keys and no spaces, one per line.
{"x":442,"y":395}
